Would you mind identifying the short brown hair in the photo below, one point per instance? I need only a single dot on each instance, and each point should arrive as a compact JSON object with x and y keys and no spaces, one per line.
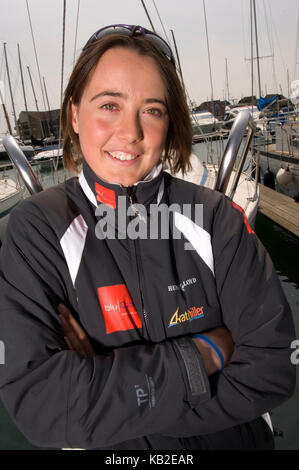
{"x":178,"y":146}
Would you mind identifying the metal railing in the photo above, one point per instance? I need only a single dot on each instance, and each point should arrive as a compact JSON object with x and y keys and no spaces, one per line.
{"x":242,"y":122}
{"x":21,"y":164}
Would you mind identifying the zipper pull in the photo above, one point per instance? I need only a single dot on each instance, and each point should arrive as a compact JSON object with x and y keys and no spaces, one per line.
{"x":130,"y":191}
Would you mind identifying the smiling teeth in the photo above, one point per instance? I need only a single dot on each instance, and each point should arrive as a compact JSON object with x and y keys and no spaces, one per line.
{"x":122,"y":156}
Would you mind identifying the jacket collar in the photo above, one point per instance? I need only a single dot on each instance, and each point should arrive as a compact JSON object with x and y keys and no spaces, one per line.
{"x":149,"y":190}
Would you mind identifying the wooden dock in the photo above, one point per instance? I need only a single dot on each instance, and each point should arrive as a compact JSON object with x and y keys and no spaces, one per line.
{"x":282,"y":209}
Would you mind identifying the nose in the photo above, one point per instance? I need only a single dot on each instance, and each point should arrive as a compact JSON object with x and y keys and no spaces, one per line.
{"x":129,"y":129}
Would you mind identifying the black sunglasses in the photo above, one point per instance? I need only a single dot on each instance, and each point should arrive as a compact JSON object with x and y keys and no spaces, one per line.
{"x":132,"y":30}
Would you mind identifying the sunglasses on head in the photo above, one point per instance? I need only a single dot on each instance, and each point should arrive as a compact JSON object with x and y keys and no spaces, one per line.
{"x":131,"y":30}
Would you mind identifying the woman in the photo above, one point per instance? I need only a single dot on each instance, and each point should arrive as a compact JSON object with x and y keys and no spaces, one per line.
{"x":125,"y":365}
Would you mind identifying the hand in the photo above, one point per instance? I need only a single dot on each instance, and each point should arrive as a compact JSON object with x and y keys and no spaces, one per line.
{"x":223,"y":338}
{"x":74,"y":334}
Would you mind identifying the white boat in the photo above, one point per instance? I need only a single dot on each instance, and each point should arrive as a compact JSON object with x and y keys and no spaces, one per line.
{"x":204,"y":122}
{"x":51,"y":151}
{"x":10,"y":196}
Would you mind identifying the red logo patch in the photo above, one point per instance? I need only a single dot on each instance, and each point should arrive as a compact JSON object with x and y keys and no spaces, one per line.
{"x":249,"y":229}
{"x":118,"y":309}
{"x":105,"y":195}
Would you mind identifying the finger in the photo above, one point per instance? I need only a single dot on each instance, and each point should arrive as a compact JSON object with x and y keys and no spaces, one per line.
{"x":76,"y":336}
{"x":63,"y":309}
{"x":70,"y":346}
{"x":74,"y":326}
{"x":71,"y":338}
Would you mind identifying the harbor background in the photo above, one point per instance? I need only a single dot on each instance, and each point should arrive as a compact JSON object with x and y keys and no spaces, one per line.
{"x":229,"y":27}
{"x":228,"y":24}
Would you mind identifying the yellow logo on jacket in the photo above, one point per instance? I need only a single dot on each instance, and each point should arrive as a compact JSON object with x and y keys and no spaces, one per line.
{"x":191,"y":314}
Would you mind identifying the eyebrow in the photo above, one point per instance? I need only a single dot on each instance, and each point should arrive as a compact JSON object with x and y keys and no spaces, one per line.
{"x":121,"y":95}
{"x":107,"y":93}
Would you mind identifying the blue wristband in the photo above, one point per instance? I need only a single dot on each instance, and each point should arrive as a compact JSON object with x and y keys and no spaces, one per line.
{"x":214,"y":346}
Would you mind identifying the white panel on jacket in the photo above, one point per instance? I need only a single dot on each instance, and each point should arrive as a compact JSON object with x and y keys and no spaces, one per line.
{"x":72,"y":244}
{"x":88,"y":192}
{"x":199,"y":238}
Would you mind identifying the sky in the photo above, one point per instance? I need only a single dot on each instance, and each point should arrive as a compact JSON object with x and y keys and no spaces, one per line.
{"x":228,"y":24}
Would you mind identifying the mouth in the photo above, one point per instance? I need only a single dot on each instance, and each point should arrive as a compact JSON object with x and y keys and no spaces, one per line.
{"x":122,"y":156}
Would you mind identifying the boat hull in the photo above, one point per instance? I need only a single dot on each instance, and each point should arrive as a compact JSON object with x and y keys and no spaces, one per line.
{"x":274,"y":161}
{"x":10,"y":196}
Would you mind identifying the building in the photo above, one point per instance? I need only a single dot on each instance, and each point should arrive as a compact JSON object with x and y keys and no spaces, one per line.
{"x":248,"y":100}
{"x":216,"y":107}
{"x":37,"y":125}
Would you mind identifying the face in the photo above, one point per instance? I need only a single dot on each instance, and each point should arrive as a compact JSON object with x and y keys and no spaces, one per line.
{"x":122,"y":120}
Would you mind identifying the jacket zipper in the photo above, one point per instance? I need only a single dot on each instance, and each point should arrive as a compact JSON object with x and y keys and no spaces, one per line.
{"x":130,"y":190}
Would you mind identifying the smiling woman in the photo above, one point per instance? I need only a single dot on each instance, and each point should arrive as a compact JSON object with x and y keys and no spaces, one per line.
{"x":122,"y":119}
{"x":132,"y":79}
{"x":133,"y":341}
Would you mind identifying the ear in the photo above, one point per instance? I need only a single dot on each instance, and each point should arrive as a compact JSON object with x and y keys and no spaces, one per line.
{"x":74,"y":116}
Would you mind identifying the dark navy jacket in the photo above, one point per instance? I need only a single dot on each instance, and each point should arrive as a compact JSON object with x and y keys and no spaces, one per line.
{"x":140,"y":301}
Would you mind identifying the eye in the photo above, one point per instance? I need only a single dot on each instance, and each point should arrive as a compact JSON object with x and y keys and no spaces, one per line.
{"x":154,"y":112}
{"x":108,"y":107}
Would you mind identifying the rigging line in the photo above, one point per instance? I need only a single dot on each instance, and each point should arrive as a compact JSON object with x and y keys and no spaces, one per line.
{"x":36,"y":59}
{"x":251,"y":52}
{"x":271,"y":45}
{"x":161,"y":22}
{"x":148,"y":17}
{"x":178,"y":58}
{"x":257,"y":49}
{"x":62,"y":62}
{"x":10,"y":90}
{"x":296,"y":48}
{"x":2,"y":66}
{"x":270,"y":36}
{"x":208,"y":47}
{"x":76,"y":32}
{"x":277,"y":39}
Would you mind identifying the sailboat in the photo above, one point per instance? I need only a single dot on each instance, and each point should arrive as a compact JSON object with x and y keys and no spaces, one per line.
{"x":280,"y":158}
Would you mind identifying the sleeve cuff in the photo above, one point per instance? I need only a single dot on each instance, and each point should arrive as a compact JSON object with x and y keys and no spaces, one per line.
{"x":192,"y":367}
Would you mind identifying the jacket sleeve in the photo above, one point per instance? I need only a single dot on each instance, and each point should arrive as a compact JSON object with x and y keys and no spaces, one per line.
{"x":56,"y":397}
{"x":260,"y":375}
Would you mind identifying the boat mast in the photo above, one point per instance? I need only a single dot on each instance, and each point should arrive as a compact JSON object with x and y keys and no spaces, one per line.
{"x":24,"y":95}
{"x":148,"y":17}
{"x":226,"y":78}
{"x":161,"y":22}
{"x":62,"y":64}
{"x":178,"y":59}
{"x":257,"y":49}
{"x":78,"y":8}
{"x":35,"y":53}
{"x":10,"y":90}
{"x":209,"y":58}
{"x":296,"y":49}
{"x":36,"y":104}
{"x":251,"y":51}
{"x":49,"y":110}
{"x":5,"y":113}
